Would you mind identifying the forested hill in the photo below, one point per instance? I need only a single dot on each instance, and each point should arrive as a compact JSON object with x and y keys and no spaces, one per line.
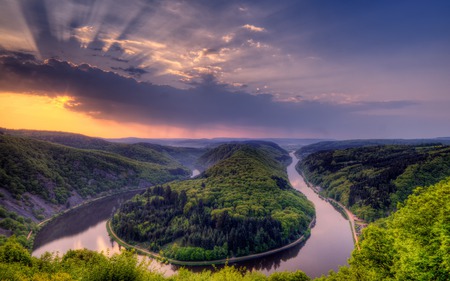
{"x":344,"y":144}
{"x":241,"y":205}
{"x":372,"y":180}
{"x":411,"y":244}
{"x":224,"y":151}
{"x":39,"y":178}
{"x":146,"y":152}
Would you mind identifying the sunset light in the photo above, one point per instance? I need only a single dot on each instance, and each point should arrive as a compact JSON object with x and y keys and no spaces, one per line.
{"x":191,"y":69}
{"x":225,"y":140}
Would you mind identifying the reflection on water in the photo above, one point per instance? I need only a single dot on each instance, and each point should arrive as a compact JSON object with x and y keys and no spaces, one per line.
{"x":80,"y":228}
{"x":85,"y":227}
{"x":328,"y":247}
{"x":97,"y":240}
{"x":195,"y":173}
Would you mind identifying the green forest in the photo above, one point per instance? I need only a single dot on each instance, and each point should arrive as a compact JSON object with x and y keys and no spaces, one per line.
{"x":411,"y":244}
{"x":53,"y":171}
{"x":373,"y":180}
{"x":242,"y":204}
{"x":39,"y":178}
{"x":144,"y":152}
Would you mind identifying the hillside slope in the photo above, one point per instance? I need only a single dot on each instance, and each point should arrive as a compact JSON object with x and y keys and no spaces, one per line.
{"x":372,"y":180}
{"x":146,"y":152}
{"x":243,"y":204}
{"x":344,"y":144}
{"x":39,"y":178}
{"x":224,"y":151}
{"x":411,"y":244}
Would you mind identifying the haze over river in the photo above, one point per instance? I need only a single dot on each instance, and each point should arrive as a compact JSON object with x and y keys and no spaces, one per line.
{"x":328,"y":247}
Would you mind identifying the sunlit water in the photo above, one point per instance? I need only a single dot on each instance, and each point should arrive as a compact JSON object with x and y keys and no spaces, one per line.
{"x":195,"y":173}
{"x":328,"y":247}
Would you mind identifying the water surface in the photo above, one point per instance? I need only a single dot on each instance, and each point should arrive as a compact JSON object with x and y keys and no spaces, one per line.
{"x":328,"y":247}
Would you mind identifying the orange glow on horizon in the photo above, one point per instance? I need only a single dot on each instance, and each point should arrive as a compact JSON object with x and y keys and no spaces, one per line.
{"x":25,"y":111}
{"x":22,"y":111}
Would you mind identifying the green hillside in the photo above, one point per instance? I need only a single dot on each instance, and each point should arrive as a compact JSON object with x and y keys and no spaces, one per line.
{"x":224,"y":151}
{"x":146,"y":152}
{"x":411,"y":244}
{"x":344,"y":144}
{"x":39,"y":178}
{"x":372,"y":180}
{"x":241,"y":205}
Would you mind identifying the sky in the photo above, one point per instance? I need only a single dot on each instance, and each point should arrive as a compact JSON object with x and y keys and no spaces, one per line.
{"x":202,"y":69}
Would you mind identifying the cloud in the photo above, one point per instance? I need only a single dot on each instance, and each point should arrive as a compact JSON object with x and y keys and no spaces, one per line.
{"x":133,"y":71}
{"x":338,"y":58}
{"x":208,"y":104}
{"x":253,"y":28}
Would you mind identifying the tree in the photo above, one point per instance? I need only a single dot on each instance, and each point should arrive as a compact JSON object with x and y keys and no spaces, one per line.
{"x":12,"y":252}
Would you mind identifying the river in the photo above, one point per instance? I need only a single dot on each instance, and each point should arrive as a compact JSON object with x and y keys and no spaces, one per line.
{"x":328,"y":247}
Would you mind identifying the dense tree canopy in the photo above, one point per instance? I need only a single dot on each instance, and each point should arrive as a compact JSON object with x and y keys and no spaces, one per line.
{"x":52,"y":171}
{"x":39,"y":177}
{"x":371,"y":181}
{"x":17,"y":264}
{"x":242,"y":205}
{"x":411,"y":244}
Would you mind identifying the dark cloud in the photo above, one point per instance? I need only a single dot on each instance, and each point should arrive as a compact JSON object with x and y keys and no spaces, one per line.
{"x":341,"y":68}
{"x":208,"y":104}
{"x":133,"y":71}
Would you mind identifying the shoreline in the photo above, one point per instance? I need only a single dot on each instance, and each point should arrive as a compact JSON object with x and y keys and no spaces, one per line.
{"x":157,"y":256}
{"x":347,"y":212}
{"x":41,"y":224}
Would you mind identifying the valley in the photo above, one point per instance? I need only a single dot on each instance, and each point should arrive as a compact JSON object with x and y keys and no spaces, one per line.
{"x":250,"y":185}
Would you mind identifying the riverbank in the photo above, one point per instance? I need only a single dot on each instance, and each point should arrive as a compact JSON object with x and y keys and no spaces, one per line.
{"x":328,"y":247}
{"x":348,"y":215}
{"x":32,"y":235}
{"x":157,"y":256}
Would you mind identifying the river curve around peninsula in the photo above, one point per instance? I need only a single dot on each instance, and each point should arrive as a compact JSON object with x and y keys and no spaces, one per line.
{"x":328,"y":247}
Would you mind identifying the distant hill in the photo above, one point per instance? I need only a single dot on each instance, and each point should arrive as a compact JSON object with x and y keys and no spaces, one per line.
{"x":224,"y":151}
{"x":287,"y":143}
{"x":332,"y":145}
{"x":241,"y":204}
{"x":371,"y":180}
{"x":141,"y":151}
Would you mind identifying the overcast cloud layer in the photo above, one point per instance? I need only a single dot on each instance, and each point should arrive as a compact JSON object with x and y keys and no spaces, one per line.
{"x":292,"y":68}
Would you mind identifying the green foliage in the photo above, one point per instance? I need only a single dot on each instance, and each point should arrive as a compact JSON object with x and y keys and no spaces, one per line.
{"x":12,"y":252}
{"x":289,"y":276}
{"x":12,"y":223}
{"x":241,"y":205}
{"x":144,"y":152}
{"x":54,"y":172}
{"x":411,"y":244}
{"x":89,"y":265}
{"x":345,"y":144}
{"x":271,"y":150}
{"x":371,"y":181}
